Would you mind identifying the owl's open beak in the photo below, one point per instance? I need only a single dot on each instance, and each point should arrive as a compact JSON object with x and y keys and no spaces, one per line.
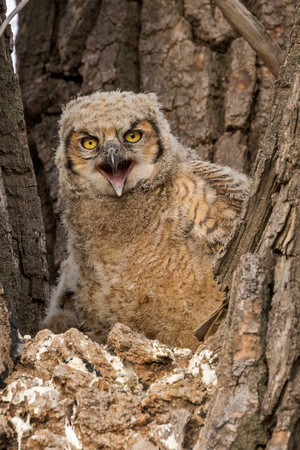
{"x":115,"y":169}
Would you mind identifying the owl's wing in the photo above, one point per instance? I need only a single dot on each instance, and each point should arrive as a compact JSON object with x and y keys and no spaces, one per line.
{"x":228,"y":183}
{"x":217,"y":202}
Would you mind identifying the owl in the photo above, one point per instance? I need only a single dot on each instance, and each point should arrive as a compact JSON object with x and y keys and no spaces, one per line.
{"x":144,"y":218}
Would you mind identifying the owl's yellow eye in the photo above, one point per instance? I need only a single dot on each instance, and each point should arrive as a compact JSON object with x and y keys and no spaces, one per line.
{"x":133,"y":136}
{"x":89,"y":143}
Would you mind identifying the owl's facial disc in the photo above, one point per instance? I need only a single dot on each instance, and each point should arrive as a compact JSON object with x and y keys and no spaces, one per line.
{"x":114,"y":168}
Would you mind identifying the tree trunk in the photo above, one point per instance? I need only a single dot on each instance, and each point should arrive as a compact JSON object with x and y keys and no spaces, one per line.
{"x":23,"y":269}
{"x":215,"y":91}
{"x":256,"y":403}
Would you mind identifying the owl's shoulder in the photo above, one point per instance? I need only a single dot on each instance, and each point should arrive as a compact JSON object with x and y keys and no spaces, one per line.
{"x":221,"y":181}
{"x":212,"y":196}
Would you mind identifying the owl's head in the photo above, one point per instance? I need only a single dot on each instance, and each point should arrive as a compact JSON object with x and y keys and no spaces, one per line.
{"x":116,"y":141}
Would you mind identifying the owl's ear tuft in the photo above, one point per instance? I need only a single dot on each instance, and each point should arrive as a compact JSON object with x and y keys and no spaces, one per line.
{"x":152,"y":96}
{"x":154,"y":99}
{"x":153,"y":102}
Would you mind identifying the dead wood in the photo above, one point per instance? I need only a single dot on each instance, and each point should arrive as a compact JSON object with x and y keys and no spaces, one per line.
{"x":241,"y":19}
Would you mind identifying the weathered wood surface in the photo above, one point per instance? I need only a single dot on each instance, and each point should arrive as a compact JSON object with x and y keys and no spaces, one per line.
{"x":6,"y":361}
{"x":257,"y":399}
{"x":23,"y":270}
{"x":241,"y":19}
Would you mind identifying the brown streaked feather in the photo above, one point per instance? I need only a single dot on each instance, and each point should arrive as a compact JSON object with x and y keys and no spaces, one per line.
{"x":230,"y":185}
{"x":214,"y":204}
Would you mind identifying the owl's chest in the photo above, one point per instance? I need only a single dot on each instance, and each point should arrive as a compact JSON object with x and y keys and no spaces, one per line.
{"x":136,"y":253}
{"x":127,"y":231}
{"x":159,"y":261}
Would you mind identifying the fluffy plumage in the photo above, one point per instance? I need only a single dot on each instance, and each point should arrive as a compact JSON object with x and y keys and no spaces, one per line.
{"x":144,"y":219}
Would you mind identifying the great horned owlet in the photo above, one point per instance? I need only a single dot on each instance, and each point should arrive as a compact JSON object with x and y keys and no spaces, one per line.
{"x":144,"y":217}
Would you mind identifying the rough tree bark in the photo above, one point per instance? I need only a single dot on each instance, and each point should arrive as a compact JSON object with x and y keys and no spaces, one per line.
{"x":215,"y":90}
{"x":23,"y":268}
{"x":257,"y":399}
{"x":259,"y":386}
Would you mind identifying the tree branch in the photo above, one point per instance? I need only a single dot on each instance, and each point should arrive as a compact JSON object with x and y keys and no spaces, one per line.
{"x":240,"y":18}
{"x":12,"y":14}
